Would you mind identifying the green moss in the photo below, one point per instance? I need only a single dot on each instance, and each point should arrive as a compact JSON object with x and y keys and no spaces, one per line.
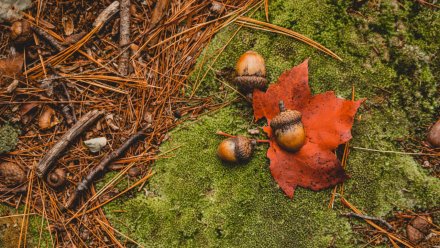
{"x":10,"y":229}
{"x":8,"y":138}
{"x":390,"y":56}
{"x":195,"y":200}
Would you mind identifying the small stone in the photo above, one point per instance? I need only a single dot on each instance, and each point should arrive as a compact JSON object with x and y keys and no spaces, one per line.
{"x":96,"y":144}
{"x":426,"y":164}
{"x":134,"y":172}
{"x":413,"y":234}
{"x":421,"y":223}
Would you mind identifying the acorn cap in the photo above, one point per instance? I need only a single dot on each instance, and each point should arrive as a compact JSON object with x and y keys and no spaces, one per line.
{"x":57,"y":178}
{"x":11,"y":174}
{"x":285,"y":118}
{"x":243,"y":148}
{"x":21,"y":31}
{"x":248,"y":83}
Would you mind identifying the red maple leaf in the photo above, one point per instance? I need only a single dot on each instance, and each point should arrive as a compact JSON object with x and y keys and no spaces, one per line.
{"x":327,"y":121}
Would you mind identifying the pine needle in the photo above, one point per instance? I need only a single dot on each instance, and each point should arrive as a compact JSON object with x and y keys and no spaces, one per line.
{"x":259,"y":25}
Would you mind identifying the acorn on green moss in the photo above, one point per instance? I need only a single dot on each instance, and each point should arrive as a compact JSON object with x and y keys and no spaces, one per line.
{"x":250,"y":72}
{"x":237,"y":149}
{"x":288,"y":129}
{"x":434,"y":135}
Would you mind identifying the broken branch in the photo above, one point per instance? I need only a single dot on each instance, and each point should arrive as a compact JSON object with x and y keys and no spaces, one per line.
{"x":361,"y":216}
{"x":48,"y":37}
{"x":106,"y":14}
{"x":55,"y":152}
{"x":101,"y":169}
{"x":124,"y":38}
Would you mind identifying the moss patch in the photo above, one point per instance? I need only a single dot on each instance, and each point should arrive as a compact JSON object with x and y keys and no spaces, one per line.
{"x":195,"y":200}
{"x":390,"y":57}
{"x":8,"y":138}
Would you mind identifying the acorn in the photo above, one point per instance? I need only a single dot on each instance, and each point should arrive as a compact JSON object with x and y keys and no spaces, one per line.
{"x":237,"y":149}
{"x":251,"y":72}
{"x":56,"y":178}
{"x":134,"y":172}
{"x":434,"y":135}
{"x":21,"y":32}
{"x":11,"y":174}
{"x":288,"y":129}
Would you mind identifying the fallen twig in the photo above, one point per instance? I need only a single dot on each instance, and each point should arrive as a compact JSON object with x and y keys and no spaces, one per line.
{"x":20,"y":189}
{"x":68,"y":109}
{"x":57,"y":45}
{"x":124,"y":37}
{"x":106,"y":14}
{"x":382,"y":221}
{"x":391,"y":236}
{"x":101,"y":169}
{"x":52,"y":155}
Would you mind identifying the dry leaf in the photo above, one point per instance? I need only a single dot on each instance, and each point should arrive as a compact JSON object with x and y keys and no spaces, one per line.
{"x":48,"y":118}
{"x":28,"y":111}
{"x":11,"y":66}
{"x":327,"y":121}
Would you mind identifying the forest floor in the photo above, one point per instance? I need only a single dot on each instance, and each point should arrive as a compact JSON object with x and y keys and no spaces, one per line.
{"x":391,"y":57}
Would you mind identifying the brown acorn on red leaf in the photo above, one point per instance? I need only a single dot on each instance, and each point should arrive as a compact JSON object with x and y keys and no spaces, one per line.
{"x":288,"y":129}
{"x":237,"y":149}
{"x":250,"y":72}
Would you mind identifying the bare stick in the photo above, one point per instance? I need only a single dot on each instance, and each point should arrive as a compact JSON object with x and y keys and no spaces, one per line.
{"x":124,"y":36}
{"x":101,"y":169}
{"x":70,"y":117}
{"x":106,"y":14}
{"x":361,"y":216}
{"x":54,"y":153}
{"x":232,"y":136}
{"x":48,"y":37}
{"x":16,"y":190}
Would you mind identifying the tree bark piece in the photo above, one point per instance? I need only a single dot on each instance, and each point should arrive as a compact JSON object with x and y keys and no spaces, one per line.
{"x":124,"y":36}
{"x":55,"y":152}
{"x":101,"y":169}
